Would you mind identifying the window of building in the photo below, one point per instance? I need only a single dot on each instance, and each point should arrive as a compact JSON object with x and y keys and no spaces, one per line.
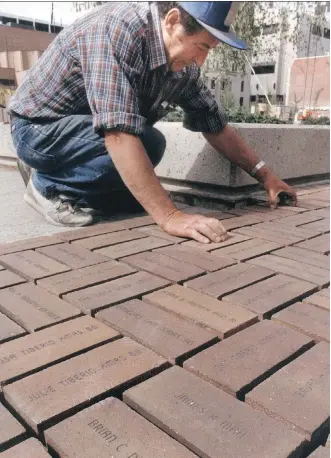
{"x":213,"y":84}
{"x":271,"y":4}
{"x":241,"y":101}
{"x":257,"y":87}
{"x":316,"y":30}
{"x":274,"y":86}
{"x":242,"y":86}
{"x":234,"y":67}
{"x":262,"y":99}
{"x":253,"y":98}
{"x":269,"y":29}
{"x":7,"y":82}
{"x":263,"y":69}
{"x":223,"y":85}
{"x":279,"y":98}
{"x":327,"y":33}
{"x":328,"y":7}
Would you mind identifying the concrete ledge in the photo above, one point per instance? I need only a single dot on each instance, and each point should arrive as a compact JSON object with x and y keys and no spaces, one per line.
{"x":291,"y":151}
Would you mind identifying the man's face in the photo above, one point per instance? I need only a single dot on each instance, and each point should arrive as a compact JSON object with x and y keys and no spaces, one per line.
{"x":183,"y":50}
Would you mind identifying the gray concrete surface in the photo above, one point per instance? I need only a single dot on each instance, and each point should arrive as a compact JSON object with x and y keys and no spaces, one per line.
{"x":291,"y":151}
{"x":17,"y":220}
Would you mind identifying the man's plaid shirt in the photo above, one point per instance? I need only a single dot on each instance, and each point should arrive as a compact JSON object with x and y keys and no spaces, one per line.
{"x":112,"y":64}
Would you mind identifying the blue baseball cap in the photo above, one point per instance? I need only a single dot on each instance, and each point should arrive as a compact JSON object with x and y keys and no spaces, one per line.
{"x":216,"y":18}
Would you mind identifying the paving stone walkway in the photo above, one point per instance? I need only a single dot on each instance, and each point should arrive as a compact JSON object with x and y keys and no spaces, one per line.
{"x":118,"y":340}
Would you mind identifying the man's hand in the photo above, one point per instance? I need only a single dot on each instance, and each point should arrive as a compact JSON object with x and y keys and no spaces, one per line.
{"x":196,"y":227}
{"x":275,"y":188}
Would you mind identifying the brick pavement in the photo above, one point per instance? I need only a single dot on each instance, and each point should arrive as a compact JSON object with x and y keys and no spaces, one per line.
{"x":216,"y":351}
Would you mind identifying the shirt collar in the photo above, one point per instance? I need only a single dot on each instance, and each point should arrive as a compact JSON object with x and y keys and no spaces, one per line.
{"x":156,"y":45}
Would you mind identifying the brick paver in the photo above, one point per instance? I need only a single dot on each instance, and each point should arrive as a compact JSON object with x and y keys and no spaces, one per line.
{"x":11,"y":431}
{"x":133,"y":247}
{"x":306,"y":318}
{"x":30,"y":448}
{"x":320,"y":299}
{"x":169,"y":268}
{"x":32,"y":265}
{"x":82,"y":278}
{"x":296,"y":269}
{"x":298,"y":394}
{"x":9,"y":329}
{"x":247,"y":319}
{"x":167,"y":334}
{"x":104,"y":240}
{"x":36,"y":351}
{"x":226,"y":281}
{"x":219,"y":316}
{"x":111,"y":428}
{"x":247,"y":250}
{"x":241,"y":362}
{"x":34,"y":308}
{"x":271,"y":295}
{"x":8,"y":278}
{"x":95,"y":298}
{"x":60,"y":389}
{"x":198,"y":258}
{"x":72,"y":255}
{"x":209,"y":421}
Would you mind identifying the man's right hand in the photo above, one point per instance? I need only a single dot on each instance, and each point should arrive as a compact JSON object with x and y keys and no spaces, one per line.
{"x":197,"y":227}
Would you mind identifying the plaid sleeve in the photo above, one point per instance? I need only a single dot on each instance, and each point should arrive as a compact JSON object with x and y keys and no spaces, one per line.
{"x":201,"y":112}
{"x":110,"y":62}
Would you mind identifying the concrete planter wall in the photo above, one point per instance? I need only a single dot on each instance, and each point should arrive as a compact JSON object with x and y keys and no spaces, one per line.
{"x":291,"y":151}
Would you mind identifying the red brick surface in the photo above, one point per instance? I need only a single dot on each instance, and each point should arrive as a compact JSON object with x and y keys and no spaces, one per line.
{"x":249,"y":326}
{"x":209,"y":421}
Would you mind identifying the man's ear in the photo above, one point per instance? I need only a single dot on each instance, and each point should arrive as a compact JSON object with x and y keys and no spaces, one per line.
{"x":172,"y":20}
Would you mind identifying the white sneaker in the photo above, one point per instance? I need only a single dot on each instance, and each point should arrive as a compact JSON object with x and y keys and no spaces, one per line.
{"x":58,"y":211}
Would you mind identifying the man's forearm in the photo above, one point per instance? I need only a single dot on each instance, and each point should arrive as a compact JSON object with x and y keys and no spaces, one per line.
{"x":231,"y":145}
{"x":136,"y":170}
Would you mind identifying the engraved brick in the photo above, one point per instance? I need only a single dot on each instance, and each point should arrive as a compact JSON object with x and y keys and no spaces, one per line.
{"x":209,"y":421}
{"x":9,"y":329}
{"x":134,"y":247}
{"x":241,"y":221}
{"x":30,"y":448}
{"x":168,"y":335}
{"x":95,"y":298}
{"x":82,"y":278}
{"x":11,"y":431}
{"x":33,"y":308}
{"x":298,"y":394}
{"x":36,"y":351}
{"x":306,"y":318}
{"x":164,"y":266}
{"x":288,"y":231}
{"x":272,"y":235}
{"x":226,"y":281}
{"x":247,"y":250}
{"x":28,"y":244}
{"x":303,"y":218}
{"x":321,"y":244}
{"x":296,"y":269}
{"x":271,"y":295}
{"x":111,"y":428}
{"x":313,"y":204}
{"x":155,"y":231}
{"x":262,"y":215}
{"x":323,"y":213}
{"x":8,"y":278}
{"x":198,"y":258}
{"x":204,"y":310}
{"x":320,"y":299}
{"x":32,"y":265}
{"x":233,"y":239}
{"x":322,"y":226}
{"x":72,"y":255}
{"x":304,"y":256}
{"x":280,"y":212}
{"x":239,"y":363}
{"x":101,"y":241}
{"x":60,"y":389}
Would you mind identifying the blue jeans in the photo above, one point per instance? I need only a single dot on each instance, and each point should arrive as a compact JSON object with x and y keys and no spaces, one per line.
{"x":70,"y":158}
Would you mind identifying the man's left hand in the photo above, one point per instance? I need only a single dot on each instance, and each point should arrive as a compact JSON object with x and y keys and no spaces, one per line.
{"x":274,"y":187}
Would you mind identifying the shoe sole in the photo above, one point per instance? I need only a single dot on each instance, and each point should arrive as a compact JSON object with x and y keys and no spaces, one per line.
{"x":36,"y":207}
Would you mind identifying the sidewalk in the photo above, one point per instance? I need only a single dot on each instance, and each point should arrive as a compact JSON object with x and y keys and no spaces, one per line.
{"x":120,"y":340}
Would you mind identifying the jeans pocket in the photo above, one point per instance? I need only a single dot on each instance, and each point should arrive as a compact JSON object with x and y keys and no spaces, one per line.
{"x":40,"y":161}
